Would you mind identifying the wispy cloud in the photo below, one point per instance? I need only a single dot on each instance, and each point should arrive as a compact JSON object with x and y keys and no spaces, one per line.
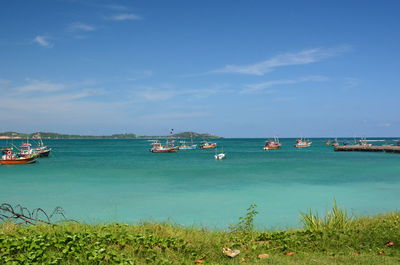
{"x":39,"y":89}
{"x":125,"y":16}
{"x":261,"y":87}
{"x":39,"y":86}
{"x":78,"y":26}
{"x":286,"y":59}
{"x":34,"y":98}
{"x":167,"y":92}
{"x":138,"y":75}
{"x":43,"y":41}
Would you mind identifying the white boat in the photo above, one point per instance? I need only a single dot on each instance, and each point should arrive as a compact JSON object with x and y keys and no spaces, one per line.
{"x":219,"y":156}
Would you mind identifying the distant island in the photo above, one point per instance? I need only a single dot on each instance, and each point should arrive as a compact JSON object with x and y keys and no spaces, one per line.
{"x":50,"y":135}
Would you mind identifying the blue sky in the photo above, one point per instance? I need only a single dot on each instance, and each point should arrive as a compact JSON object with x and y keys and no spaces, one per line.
{"x":231,"y":68}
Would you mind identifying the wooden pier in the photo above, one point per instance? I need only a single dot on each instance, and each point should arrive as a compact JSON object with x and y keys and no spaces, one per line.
{"x":360,"y":148}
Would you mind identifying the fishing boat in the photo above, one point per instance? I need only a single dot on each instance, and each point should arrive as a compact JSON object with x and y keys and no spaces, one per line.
{"x":169,"y":147}
{"x":9,"y":158}
{"x":301,"y":143}
{"x":363,"y":142}
{"x":158,"y":147}
{"x":272,"y":144}
{"x":333,"y":143}
{"x":207,"y":145}
{"x":184,"y":146}
{"x":219,"y":156}
{"x":40,"y":149}
{"x":26,"y":149}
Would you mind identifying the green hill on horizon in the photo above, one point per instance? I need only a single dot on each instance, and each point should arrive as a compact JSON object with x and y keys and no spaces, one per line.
{"x":51,"y":135}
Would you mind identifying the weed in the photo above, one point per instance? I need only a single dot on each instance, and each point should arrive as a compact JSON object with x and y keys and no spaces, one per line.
{"x":246,"y":223}
{"x":336,"y":219}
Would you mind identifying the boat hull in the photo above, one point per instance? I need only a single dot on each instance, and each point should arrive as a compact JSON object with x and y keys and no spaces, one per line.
{"x":165,"y":150}
{"x":18,"y":161}
{"x":208,"y":147}
{"x":302,"y":146}
{"x":272,"y":147}
{"x":44,"y":153}
{"x":188,"y":147}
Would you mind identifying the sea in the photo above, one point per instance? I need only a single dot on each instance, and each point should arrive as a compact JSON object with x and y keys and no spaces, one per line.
{"x":120,"y":181}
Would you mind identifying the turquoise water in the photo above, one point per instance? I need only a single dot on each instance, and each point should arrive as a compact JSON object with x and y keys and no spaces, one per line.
{"x":121,"y":181}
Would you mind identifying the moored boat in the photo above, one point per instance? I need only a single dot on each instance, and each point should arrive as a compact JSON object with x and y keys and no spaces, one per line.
{"x":363,"y":142}
{"x":219,"y":156}
{"x":272,"y":144}
{"x":40,"y":149}
{"x":184,"y":146}
{"x":9,"y":158}
{"x":301,"y":143}
{"x":207,"y":145}
{"x":333,"y":143}
{"x":169,"y":147}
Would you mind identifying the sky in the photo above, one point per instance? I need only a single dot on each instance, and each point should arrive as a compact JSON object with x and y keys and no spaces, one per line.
{"x":230,"y":68}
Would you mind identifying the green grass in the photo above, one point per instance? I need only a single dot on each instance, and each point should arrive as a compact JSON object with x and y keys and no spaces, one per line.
{"x":333,"y":239}
{"x":335,"y":219}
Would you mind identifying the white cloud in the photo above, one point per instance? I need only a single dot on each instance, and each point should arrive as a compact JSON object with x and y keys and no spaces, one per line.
{"x":286,"y":59}
{"x":56,"y":103}
{"x":260,"y":87}
{"x":43,"y":41}
{"x":78,"y":26}
{"x":126,"y":16}
{"x":39,"y":86}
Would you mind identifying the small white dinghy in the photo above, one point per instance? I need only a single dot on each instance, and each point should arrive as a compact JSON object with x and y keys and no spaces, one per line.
{"x":220,"y":156}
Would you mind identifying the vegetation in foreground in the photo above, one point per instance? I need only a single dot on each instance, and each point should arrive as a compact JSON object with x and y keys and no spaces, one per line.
{"x":335,"y":238}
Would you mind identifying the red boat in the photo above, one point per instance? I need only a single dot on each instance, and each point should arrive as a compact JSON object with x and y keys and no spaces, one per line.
{"x":272,"y":144}
{"x":157,"y":147}
{"x":8,"y":158}
{"x":207,"y":145}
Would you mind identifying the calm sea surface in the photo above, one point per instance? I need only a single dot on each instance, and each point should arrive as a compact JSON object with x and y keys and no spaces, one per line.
{"x":121,"y":181}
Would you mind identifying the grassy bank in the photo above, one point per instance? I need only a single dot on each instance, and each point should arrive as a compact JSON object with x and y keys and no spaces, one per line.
{"x":333,"y":239}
